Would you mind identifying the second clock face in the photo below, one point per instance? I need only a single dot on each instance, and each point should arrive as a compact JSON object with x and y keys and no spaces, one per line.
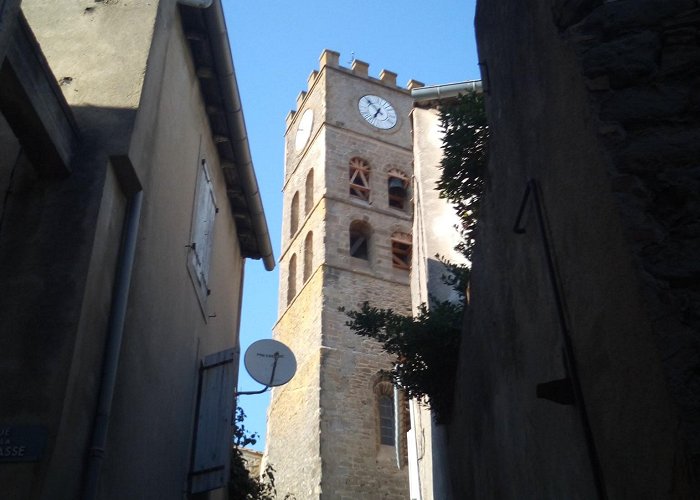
{"x":377,"y":111}
{"x":304,"y":129}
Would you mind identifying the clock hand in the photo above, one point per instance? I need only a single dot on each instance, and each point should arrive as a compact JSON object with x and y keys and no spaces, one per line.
{"x":379,"y":111}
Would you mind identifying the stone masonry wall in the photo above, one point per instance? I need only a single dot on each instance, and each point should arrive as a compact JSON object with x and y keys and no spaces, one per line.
{"x":557,"y":91}
{"x":323,"y":425}
{"x":293,"y":433}
{"x":355,"y":465}
{"x":641,"y":65}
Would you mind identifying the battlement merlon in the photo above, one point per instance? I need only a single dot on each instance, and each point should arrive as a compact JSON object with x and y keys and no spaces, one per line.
{"x":359,"y":68}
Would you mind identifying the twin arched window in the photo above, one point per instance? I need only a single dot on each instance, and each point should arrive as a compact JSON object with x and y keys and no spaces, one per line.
{"x":308,"y":204}
{"x":401,"y":245}
{"x":397,"y":183}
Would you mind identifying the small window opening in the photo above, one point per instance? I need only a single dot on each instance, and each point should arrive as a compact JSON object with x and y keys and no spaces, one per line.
{"x":309,"y":192}
{"x":359,"y":240}
{"x":386,"y":420}
{"x":398,"y":193}
{"x":359,"y":178}
{"x":401,"y":246}
{"x":294,"y":217}
{"x":308,"y":255}
{"x":292,"y":279}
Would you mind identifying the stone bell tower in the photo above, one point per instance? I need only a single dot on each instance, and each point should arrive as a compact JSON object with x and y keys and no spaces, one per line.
{"x":337,"y":430}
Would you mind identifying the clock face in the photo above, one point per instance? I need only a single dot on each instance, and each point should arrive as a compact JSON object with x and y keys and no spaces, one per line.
{"x":377,"y":111}
{"x":304,"y":129}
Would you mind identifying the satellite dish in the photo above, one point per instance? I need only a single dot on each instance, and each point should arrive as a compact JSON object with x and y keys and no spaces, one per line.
{"x":270,"y":362}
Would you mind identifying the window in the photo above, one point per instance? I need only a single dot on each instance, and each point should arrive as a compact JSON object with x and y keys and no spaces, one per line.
{"x":292,"y":279}
{"x":308,"y":255}
{"x":294,"y":217}
{"x":359,"y":239}
{"x":398,"y":190}
{"x":386,"y":420}
{"x":401,"y":244}
{"x":202,"y":236}
{"x":309,"y":192}
{"x":386,"y":414}
{"x":359,"y":178}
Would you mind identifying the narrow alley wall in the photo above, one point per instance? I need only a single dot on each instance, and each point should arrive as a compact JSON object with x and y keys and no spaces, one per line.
{"x":594,"y":102}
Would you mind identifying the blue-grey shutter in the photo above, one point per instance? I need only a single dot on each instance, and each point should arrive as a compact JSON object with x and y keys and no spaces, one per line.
{"x":203,"y":228}
{"x":212,"y":446}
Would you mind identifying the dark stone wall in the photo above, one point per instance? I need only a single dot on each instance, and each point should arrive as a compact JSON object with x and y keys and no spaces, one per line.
{"x":596,"y":102}
{"x":641,"y":65}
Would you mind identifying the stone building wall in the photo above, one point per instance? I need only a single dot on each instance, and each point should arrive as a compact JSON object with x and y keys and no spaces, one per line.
{"x":293,"y":437}
{"x":641,"y":66}
{"x":582,"y":108}
{"x":355,"y":464}
{"x":323,"y":426}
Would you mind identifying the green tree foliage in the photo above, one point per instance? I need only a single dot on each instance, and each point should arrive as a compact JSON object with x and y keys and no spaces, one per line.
{"x":465,"y":157}
{"x":242,"y":486}
{"x":426,"y":345}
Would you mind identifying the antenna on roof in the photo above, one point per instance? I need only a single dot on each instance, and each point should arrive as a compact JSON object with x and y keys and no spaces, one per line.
{"x":352,"y":57}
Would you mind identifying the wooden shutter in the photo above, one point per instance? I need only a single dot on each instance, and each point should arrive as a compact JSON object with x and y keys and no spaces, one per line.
{"x":212,"y":440}
{"x":203,"y":228}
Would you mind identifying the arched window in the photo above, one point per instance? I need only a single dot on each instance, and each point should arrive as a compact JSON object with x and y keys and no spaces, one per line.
{"x":359,"y":239}
{"x":359,"y":178}
{"x":386,"y":420}
{"x":401,"y":247}
{"x":308,"y":255}
{"x":294,"y":217}
{"x":309,"y":192}
{"x":386,"y":411}
{"x":397,"y":187}
{"x":292,"y":279}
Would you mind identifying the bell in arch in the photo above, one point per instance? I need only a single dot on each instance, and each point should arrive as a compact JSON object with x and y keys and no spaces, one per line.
{"x":397,"y":187}
{"x":397,"y":192}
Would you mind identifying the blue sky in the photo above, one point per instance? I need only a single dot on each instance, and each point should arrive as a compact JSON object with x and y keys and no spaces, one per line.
{"x":276,"y":44}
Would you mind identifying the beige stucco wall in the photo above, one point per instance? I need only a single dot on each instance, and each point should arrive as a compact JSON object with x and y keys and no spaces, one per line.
{"x":167,"y":330}
{"x":434,"y":233}
{"x":134,"y":93}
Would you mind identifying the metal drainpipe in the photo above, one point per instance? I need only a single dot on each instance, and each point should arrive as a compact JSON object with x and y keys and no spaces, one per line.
{"x":115,"y":332}
{"x":397,"y":429}
{"x":444,"y":91}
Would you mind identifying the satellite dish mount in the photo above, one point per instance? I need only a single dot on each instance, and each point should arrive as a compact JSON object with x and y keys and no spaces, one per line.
{"x":270,"y":363}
